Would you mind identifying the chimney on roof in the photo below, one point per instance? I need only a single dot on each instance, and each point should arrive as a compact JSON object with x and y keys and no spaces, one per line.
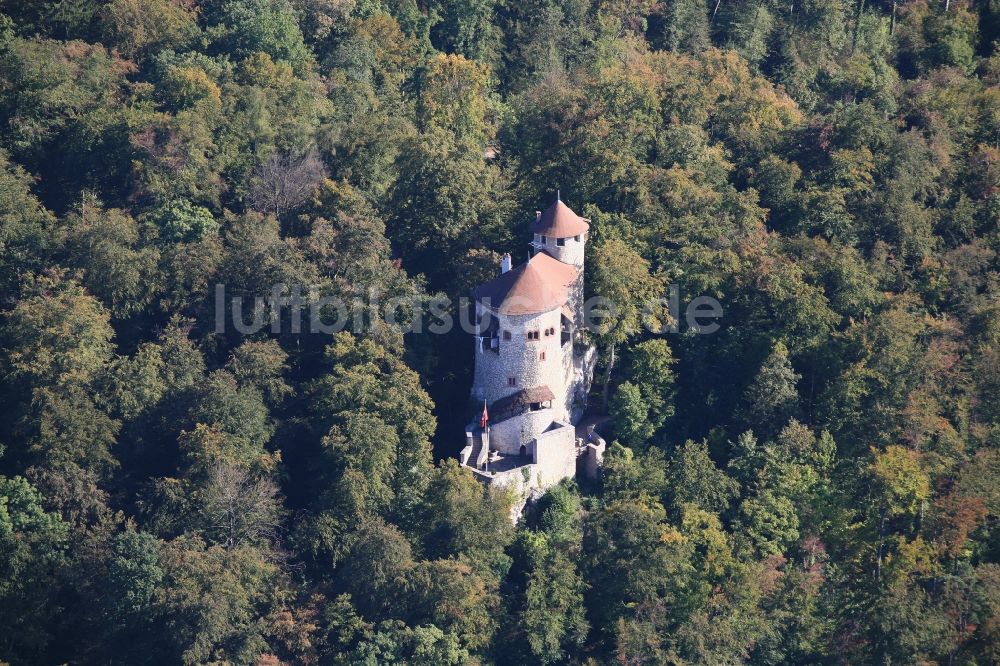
{"x":505,"y":263}
{"x":538,"y":215}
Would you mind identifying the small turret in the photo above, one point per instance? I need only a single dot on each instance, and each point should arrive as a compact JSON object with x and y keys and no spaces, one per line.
{"x":562,"y":234}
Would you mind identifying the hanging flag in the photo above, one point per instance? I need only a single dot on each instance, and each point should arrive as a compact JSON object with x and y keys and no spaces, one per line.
{"x":485,"y":417}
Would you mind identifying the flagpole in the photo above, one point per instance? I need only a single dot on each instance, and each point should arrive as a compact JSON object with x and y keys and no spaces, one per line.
{"x":486,"y":435}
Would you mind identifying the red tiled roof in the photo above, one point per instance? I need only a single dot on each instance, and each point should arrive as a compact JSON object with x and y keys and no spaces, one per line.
{"x":559,"y":221}
{"x":539,"y":285}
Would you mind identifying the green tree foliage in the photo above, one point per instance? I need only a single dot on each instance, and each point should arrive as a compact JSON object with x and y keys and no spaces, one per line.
{"x":104,"y":244}
{"x":394,"y":642}
{"x":622,"y":278}
{"x":443,"y":189}
{"x":57,"y":336}
{"x":139,"y":28}
{"x":376,"y":421}
{"x":452,"y":496}
{"x":65,"y":116}
{"x":681,"y":26}
{"x":183,"y":221}
{"x":639,"y":569}
{"x":246,"y":27}
{"x":212,"y":598}
{"x":550,"y":609}
{"x":641,"y":408}
{"x":467,"y":27}
{"x":63,"y":20}
{"x":628,"y":476}
{"x":58,"y":345}
{"x":553,"y":616}
{"x":772,"y":397}
{"x":32,"y":549}
{"x":815,"y":482}
{"x":631,"y":414}
{"x":694,"y":479}
{"x":903,"y":484}
{"x":453,"y":98}
{"x":26,"y":231}
{"x":134,"y":574}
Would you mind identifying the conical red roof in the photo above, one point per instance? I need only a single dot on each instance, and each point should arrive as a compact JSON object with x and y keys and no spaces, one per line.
{"x":539,"y":285}
{"x":559,"y":221}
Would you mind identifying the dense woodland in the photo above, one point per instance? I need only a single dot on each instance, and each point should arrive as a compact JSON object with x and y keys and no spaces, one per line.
{"x":816,"y":483}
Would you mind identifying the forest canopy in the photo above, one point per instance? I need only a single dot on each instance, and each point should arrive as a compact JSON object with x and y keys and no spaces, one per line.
{"x":817,"y":482}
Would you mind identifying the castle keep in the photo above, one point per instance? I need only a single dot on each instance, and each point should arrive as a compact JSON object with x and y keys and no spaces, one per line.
{"x":533,"y":366}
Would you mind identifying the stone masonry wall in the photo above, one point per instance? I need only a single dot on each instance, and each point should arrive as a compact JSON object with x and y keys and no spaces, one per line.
{"x":555,"y":454}
{"x":508,"y":436}
{"x":520,"y":358}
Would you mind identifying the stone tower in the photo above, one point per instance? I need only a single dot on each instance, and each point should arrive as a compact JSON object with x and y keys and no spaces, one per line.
{"x":533,"y":368}
{"x":524,"y":333}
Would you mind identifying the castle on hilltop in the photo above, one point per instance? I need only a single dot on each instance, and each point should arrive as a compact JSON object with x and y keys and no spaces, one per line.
{"x":533,"y":365}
